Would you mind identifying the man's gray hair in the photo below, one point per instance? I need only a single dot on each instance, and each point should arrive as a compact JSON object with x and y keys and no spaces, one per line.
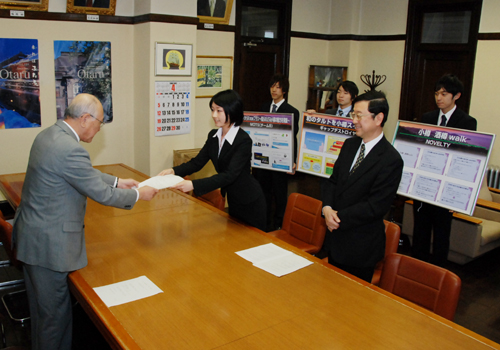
{"x":81,"y":104}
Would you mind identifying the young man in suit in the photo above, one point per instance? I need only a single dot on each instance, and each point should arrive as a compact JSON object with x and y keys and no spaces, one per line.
{"x":429,"y":218}
{"x":361,"y":190}
{"x":275,"y":183}
{"x":49,"y":225}
{"x":346,"y":93}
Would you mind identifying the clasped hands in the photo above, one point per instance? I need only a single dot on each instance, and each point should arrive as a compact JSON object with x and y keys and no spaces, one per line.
{"x":184,"y":186}
{"x":331,"y":218}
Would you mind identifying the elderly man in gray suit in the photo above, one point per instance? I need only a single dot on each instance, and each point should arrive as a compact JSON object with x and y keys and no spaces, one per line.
{"x":49,"y":224}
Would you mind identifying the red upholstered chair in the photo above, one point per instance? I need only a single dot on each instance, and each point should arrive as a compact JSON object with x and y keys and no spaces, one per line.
{"x":303,"y":225}
{"x":424,"y":284}
{"x":213,"y":198}
{"x":392,"y":234}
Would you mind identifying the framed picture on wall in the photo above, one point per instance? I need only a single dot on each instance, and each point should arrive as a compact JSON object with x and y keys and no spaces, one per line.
{"x":92,"y":7}
{"x":214,"y":74}
{"x":173,"y":59}
{"x":28,"y":5}
{"x":214,"y":11}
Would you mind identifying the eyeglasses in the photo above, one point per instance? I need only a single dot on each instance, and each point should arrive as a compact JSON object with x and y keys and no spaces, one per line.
{"x":359,"y":116}
{"x":101,"y":121}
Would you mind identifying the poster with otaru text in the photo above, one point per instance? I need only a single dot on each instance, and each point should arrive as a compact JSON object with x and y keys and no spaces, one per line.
{"x":19,"y":84}
{"x":83,"y":67}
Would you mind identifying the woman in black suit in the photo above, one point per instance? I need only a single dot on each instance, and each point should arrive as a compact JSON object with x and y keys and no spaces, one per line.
{"x":230,"y":150}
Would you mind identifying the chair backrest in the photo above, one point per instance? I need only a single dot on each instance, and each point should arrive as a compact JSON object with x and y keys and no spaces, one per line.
{"x":392,"y":235}
{"x":213,"y":198}
{"x":6,"y":238}
{"x":424,"y":284}
{"x":303,"y":219}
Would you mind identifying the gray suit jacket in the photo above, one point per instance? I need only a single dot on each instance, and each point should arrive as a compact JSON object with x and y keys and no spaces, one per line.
{"x":49,"y":223}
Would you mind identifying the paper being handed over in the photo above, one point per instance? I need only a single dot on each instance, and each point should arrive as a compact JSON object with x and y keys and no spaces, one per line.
{"x":161,"y":182}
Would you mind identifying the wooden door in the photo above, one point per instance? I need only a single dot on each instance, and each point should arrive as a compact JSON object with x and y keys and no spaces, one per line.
{"x":262,"y":47}
{"x":446,"y":46}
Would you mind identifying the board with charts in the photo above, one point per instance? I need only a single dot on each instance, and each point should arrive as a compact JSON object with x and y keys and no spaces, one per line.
{"x":322,"y":137}
{"x":442,"y":166}
{"x":272,"y":137}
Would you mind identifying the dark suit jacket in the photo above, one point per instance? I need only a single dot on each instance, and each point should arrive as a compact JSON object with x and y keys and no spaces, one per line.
{"x":459,"y":119}
{"x":204,"y":8}
{"x":49,"y":224}
{"x":287,"y":108}
{"x":97,"y":3}
{"x":233,"y":169}
{"x":361,"y":200}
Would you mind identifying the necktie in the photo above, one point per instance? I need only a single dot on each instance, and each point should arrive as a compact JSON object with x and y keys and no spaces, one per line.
{"x":212,"y":7}
{"x":340,"y":112}
{"x":274,"y":108}
{"x":360,"y":158}
{"x":89,"y":3}
{"x":443,"y":121}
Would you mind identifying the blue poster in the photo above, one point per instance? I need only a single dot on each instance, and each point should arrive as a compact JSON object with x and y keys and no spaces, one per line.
{"x":83,"y":66}
{"x":19,"y":84}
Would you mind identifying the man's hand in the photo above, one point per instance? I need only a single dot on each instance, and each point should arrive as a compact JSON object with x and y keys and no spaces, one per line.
{"x":127,"y":183}
{"x":146,"y":193}
{"x":331,"y":218}
{"x":167,"y":172}
{"x":184,"y":186}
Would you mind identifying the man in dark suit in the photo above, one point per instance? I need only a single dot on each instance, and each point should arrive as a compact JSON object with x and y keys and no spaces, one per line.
{"x":361,"y":190}
{"x":49,"y":224}
{"x":275,"y":183}
{"x":92,"y":3}
{"x":205,"y":8}
{"x":429,"y":218}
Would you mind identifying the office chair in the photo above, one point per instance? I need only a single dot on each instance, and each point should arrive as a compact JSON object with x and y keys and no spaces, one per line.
{"x":16,"y":303}
{"x":392,"y":234}
{"x":303,"y":225}
{"x":213,"y":198}
{"x":424,"y":284}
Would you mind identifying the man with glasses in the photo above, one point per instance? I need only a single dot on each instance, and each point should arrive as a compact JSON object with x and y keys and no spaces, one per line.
{"x":360,"y":190}
{"x":49,"y":224}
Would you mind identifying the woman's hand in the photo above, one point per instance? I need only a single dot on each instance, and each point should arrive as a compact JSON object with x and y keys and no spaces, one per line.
{"x":184,"y":186}
{"x":167,"y":172}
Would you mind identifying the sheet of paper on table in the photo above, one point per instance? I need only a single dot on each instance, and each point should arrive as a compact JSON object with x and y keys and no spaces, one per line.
{"x":127,"y":291}
{"x":161,"y":182}
{"x":273,"y":259}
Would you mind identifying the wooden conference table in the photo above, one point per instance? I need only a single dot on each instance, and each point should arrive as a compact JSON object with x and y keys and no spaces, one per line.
{"x":214,"y":299}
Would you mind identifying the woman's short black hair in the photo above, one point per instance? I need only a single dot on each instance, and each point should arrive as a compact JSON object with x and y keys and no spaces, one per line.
{"x":232,"y":104}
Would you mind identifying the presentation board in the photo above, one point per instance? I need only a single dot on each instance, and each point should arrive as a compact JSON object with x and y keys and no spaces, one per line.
{"x":442,"y":166}
{"x":321,"y":139}
{"x":272,"y":140}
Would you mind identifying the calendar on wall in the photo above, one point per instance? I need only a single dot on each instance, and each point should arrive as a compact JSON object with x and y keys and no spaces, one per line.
{"x":173,"y":108}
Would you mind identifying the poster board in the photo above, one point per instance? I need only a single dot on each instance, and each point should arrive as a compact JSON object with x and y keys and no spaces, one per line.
{"x":442,"y":166}
{"x":272,"y":140}
{"x":321,"y":139}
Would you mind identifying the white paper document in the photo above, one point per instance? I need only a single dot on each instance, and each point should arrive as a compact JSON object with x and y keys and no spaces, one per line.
{"x":127,"y":291}
{"x":273,"y":259}
{"x":161,"y":182}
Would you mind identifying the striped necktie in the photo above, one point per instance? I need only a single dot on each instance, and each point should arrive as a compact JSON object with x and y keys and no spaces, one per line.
{"x":360,"y":158}
{"x":341,"y":113}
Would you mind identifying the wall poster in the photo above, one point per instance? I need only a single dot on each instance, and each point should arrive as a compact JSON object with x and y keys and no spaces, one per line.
{"x":322,"y":137}
{"x":19,"y":84}
{"x":172,"y":108}
{"x":442,"y":166}
{"x":273,"y":137}
{"x":83,"y":66}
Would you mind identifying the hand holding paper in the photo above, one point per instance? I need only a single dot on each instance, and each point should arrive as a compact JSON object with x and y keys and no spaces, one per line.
{"x":161,"y":182}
